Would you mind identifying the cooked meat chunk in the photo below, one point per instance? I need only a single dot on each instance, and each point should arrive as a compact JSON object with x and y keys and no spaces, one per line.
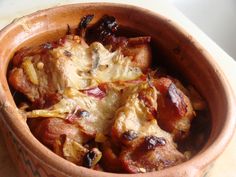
{"x":44,"y":69}
{"x":110,"y":158}
{"x":140,"y":55}
{"x":137,"y":48}
{"x":175,"y":110}
{"x":150,"y":153}
{"x":49,"y":130}
{"x":21,"y":83}
{"x":137,"y":115}
{"x":135,"y":122}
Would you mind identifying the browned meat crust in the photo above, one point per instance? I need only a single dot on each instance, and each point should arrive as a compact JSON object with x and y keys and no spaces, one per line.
{"x":175,"y":111}
{"x":148,"y":154}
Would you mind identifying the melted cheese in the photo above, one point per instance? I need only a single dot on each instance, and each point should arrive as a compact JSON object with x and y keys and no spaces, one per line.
{"x":87,"y":66}
{"x":134,"y":114}
{"x":90,"y":65}
{"x":101,"y":112}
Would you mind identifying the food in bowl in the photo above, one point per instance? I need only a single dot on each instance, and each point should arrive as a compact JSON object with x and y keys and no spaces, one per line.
{"x":94,"y":98}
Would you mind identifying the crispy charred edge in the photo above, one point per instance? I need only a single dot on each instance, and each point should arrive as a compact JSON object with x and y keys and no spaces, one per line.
{"x":102,"y":29}
{"x":129,"y":135}
{"x":68,"y":32}
{"x":84,"y":22}
{"x":105,"y":30}
{"x":151,"y":142}
{"x":91,"y":158}
{"x":175,"y":112}
{"x":133,"y":158}
{"x":169,"y":91}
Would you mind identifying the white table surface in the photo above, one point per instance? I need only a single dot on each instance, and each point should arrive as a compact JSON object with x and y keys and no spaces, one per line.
{"x":11,"y":9}
{"x":215,"y":17}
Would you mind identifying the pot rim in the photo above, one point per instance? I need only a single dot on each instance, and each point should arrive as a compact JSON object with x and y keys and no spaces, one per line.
{"x":46,"y":156}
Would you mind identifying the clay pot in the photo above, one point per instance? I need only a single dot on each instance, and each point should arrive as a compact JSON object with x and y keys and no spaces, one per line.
{"x":179,"y":50}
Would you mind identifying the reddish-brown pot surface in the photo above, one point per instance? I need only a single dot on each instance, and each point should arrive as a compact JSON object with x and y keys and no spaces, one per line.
{"x":190,"y":59}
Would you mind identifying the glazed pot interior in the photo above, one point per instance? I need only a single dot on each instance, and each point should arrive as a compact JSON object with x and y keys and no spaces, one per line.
{"x":173,"y":47}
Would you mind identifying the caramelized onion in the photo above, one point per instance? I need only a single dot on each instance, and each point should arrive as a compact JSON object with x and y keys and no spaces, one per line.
{"x":96,"y":92}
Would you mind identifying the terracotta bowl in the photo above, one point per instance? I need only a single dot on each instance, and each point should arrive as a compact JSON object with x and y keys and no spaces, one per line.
{"x":179,"y":50}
